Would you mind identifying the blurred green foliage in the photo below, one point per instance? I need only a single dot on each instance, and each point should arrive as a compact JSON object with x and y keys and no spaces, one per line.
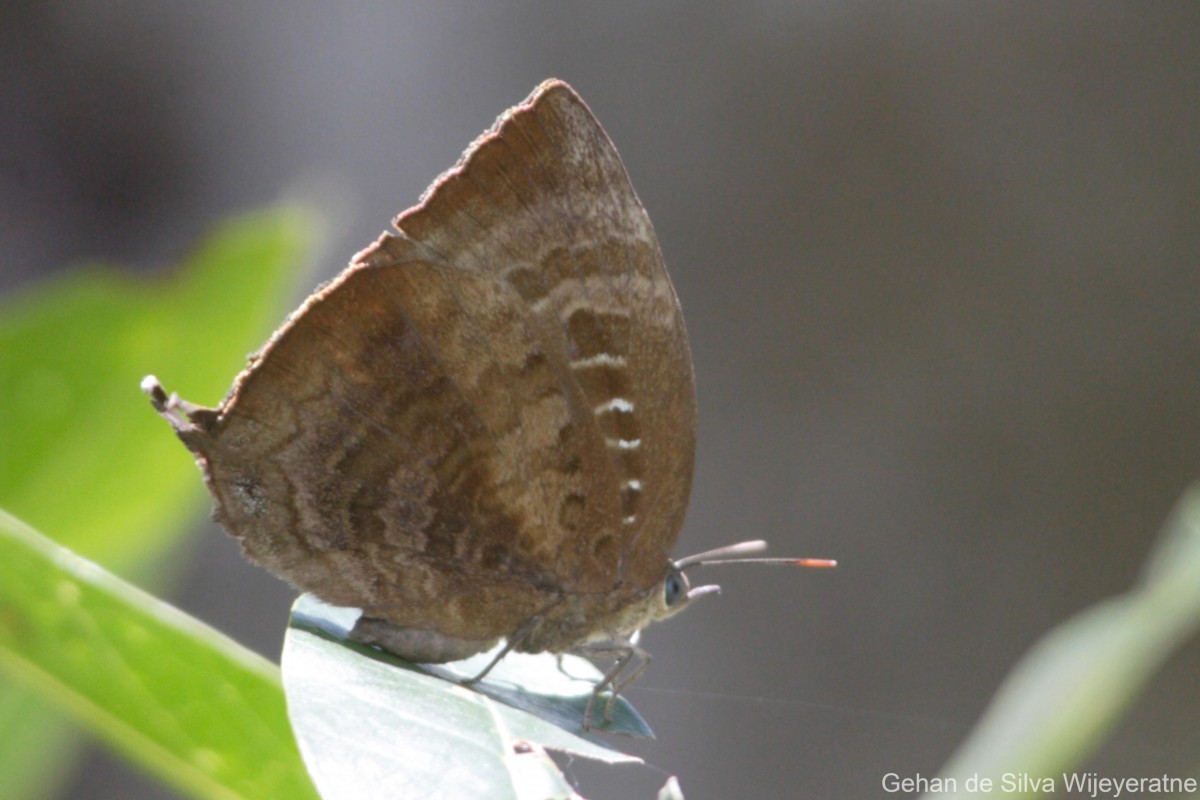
{"x":83,"y":457}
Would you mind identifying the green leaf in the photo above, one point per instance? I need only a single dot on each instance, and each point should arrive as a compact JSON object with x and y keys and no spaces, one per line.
{"x":184,"y":701}
{"x":82,"y":457}
{"x":81,"y":453}
{"x":1068,"y":691}
{"x":364,"y":717}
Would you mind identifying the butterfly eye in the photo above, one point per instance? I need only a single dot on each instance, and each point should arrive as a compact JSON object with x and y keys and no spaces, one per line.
{"x":675,"y":589}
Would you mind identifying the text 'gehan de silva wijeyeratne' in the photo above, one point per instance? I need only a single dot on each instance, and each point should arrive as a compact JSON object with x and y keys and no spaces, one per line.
{"x":1088,"y":784}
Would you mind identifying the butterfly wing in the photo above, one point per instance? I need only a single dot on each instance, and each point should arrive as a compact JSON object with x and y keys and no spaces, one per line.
{"x":483,"y":414}
{"x":543,"y":203}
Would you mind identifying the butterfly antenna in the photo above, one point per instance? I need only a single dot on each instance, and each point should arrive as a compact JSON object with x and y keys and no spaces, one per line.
{"x":730,"y":552}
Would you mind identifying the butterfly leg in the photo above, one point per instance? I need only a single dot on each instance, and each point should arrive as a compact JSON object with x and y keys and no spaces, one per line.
{"x":625,"y":653}
{"x":509,"y":643}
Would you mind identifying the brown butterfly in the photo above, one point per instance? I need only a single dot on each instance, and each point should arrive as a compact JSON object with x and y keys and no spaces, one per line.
{"x":485,"y":426}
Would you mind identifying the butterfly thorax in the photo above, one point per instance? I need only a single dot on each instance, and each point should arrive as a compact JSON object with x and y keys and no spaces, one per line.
{"x":588,"y":618}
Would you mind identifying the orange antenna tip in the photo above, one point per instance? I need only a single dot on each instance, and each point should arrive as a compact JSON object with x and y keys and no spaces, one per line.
{"x":822,"y":563}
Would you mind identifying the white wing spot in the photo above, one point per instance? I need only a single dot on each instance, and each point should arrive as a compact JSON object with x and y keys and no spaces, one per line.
{"x":624,"y":444}
{"x":616,"y":404}
{"x":598,"y":360}
{"x":633,"y":485}
{"x":632,"y":518}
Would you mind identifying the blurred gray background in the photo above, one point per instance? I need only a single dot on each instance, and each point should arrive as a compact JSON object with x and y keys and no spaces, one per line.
{"x":938,"y":262}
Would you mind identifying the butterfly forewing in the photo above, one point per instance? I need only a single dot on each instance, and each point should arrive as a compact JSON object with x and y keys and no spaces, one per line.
{"x":546,"y":192}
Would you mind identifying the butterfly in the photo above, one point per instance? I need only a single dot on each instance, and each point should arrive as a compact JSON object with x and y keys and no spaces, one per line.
{"x":485,"y":426}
